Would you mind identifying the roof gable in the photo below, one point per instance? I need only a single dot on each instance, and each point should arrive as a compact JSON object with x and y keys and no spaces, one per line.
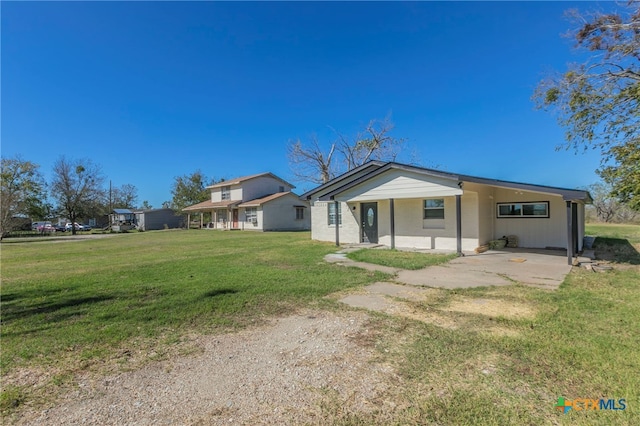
{"x":343,"y":186}
{"x":242,"y":179}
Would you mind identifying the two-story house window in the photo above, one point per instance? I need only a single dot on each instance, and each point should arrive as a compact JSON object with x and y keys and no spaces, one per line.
{"x":226,"y":193}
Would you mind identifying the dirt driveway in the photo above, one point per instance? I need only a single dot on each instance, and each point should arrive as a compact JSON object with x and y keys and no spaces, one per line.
{"x":306,"y":368}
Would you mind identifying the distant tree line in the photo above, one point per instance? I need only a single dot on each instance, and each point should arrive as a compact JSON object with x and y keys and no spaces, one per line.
{"x":76,"y":191}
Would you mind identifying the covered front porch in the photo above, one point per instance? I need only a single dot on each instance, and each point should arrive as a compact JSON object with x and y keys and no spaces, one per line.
{"x":223,"y":215}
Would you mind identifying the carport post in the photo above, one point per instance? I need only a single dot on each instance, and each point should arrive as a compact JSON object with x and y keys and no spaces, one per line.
{"x":569,"y":234}
{"x":458,"y":225}
{"x":392,"y":224}
{"x":337,"y":223}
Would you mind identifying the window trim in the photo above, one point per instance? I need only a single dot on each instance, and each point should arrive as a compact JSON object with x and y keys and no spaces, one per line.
{"x":225,"y":192}
{"x":329,"y":214}
{"x":301,"y":211}
{"x":425,"y":208}
{"x":251,"y":215}
{"x":522,"y":215}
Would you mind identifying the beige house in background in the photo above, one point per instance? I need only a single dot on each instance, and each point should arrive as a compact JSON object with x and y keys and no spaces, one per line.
{"x":406,"y":206}
{"x":262,"y":202}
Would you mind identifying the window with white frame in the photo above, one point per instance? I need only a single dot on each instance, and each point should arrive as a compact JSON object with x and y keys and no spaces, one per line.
{"x":332,"y":213}
{"x":299,"y":213}
{"x":538,"y":209}
{"x":226,"y":193}
{"x":251,"y":215}
{"x":434,"y":208}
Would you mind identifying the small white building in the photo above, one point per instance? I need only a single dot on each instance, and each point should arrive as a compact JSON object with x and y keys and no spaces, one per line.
{"x":262,"y":202}
{"x":406,"y":206}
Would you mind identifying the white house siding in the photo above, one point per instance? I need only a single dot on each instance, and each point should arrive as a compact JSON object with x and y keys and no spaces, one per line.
{"x":250,"y":226}
{"x":533,"y":232}
{"x":261,"y":186}
{"x":486,"y":211}
{"x":236,"y":193}
{"x":280,"y":214}
{"x":322,"y":231}
{"x":412,"y":231}
{"x":400,"y":184}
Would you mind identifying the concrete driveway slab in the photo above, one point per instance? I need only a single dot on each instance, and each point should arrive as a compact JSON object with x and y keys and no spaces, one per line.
{"x":538,"y":268}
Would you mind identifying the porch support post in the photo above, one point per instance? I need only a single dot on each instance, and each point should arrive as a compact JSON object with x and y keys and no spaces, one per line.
{"x":569,"y":234}
{"x":201,"y":219}
{"x":392,"y":224}
{"x":188,"y":220}
{"x":459,"y":225}
{"x":337,"y":220}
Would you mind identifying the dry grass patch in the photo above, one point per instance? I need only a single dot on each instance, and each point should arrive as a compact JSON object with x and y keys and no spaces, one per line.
{"x":492,"y":308}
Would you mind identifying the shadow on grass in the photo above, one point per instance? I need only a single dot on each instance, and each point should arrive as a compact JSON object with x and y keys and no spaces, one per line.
{"x":15,"y":312}
{"x":219,"y":292}
{"x":618,"y":250}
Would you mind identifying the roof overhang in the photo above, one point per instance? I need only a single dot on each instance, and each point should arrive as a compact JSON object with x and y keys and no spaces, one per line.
{"x":341,"y":185}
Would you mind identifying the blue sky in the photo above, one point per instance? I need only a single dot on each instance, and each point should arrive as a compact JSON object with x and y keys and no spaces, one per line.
{"x":151,"y":91}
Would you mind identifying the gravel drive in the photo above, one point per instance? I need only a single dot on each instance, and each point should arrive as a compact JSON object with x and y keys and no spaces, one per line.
{"x":298,"y":369}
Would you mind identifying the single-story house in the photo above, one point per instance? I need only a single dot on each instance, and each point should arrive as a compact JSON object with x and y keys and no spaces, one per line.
{"x":261,"y":202}
{"x":407,"y":206}
{"x":154,"y":219}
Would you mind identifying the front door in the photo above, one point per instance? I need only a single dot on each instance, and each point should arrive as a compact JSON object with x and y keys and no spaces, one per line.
{"x":369,"y":220}
{"x":235,"y":219}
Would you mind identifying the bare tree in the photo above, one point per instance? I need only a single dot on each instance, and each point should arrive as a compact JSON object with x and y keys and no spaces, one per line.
{"x":609,"y":208}
{"x":373,"y":143}
{"x":21,"y":190}
{"x":77,"y":187}
{"x":124,"y":197}
{"x":311,"y":163}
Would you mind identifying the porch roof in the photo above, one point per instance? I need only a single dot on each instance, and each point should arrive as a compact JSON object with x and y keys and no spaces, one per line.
{"x":210,"y":205}
{"x":260,"y":201}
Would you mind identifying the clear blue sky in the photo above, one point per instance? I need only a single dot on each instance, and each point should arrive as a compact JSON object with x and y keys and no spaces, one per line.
{"x":151,"y":91}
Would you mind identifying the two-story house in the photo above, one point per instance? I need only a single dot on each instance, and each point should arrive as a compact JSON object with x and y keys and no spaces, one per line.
{"x":262,"y":202}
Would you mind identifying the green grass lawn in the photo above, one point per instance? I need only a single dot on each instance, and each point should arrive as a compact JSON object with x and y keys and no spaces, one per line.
{"x":399,"y":259}
{"x":79,"y":306}
{"x":490,"y":368}
{"x":69,"y":306}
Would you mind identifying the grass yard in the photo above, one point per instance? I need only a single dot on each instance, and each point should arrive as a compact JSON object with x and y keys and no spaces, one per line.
{"x":496,"y":367}
{"x":487,"y":356}
{"x":399,"y":259}
{"x":73,"y":306}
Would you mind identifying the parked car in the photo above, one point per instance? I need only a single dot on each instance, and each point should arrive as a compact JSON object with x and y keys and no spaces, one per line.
{"x":47,"y":228}
{"x":76,"y":225}
{"x":60,"y":228}
{"x":36,"y":225}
